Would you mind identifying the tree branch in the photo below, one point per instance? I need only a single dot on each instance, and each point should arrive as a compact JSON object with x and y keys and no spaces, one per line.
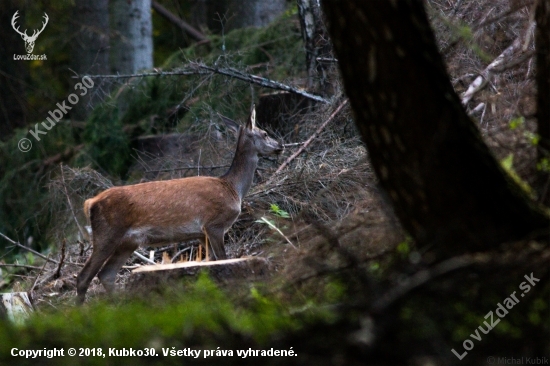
{"x":29,"y":249}
{"x":311,"y":138}
{"x":195,"y":68}
{"x":186,"y":27}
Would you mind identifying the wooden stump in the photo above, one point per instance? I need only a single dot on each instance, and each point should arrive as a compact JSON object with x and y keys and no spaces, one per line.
{"x":228,"y":269}
{"x":15,"y":306}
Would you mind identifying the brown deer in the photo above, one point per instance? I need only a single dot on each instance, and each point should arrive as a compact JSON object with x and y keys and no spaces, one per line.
{"x":123,"y":218}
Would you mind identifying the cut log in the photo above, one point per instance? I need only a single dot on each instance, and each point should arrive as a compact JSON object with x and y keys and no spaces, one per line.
{"x":15,"y":306}
{"x":222,"y":270}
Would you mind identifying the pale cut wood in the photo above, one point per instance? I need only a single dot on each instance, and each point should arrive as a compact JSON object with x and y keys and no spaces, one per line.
{"x":228,"y":269}
{"x":16,"y":306}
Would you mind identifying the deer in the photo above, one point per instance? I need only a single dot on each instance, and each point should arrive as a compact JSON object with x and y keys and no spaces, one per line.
{"x":29,"y":40}
{"x":124,"y":218}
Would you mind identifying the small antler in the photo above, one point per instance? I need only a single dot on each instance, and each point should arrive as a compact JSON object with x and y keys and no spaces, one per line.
{"x":16,"y":28}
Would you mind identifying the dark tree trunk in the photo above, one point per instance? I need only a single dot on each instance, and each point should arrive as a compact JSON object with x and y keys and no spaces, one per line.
{"x":90,"y":52}
{"x":445,"y":185}
{"x":542,"y":40}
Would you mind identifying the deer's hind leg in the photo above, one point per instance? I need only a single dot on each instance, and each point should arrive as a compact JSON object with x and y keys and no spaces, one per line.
{"x":103,"y":248}
{"x":108,"y":273}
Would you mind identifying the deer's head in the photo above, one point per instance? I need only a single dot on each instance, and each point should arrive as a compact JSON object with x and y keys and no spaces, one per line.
{"x":256,"y":138}
{"x":29,"y":40}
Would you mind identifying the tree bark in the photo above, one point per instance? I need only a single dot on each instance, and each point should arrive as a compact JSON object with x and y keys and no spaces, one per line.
{"x":90,"y":49}
{"x":445,"y":185}
{"x":132,"y":44}
{"x":236,"y":14}
{"x":542,"y":40}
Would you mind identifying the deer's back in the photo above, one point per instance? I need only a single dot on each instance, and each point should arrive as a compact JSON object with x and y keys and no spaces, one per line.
{"x":193,"y":201}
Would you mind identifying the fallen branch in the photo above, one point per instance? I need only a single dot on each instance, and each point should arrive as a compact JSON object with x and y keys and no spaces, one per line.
{"x":186,"y":27}
{"x":144,"y":258}
{"x":483,"y":78}
{"x":29,"y":249}
{"x":310,"y":139}
{"x":18,"y":265}
{"x":195,"y":68}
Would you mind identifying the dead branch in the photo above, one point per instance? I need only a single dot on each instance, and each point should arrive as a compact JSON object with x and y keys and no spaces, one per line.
{"x":144,"y":258}
{"x":18,"y":265}
{"x":174,"y":19}
{"x":481,"y":81}
{"x":311,"y":138}
{"x":520,"y":5}
{"x":195,"y":68}
{"x":29,"y":249}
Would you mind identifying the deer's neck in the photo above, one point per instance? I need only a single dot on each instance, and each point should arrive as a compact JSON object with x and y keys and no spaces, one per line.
{"x":241,"y":172}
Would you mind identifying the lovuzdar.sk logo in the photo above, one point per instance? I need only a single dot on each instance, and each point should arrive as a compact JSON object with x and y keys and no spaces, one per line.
{"x":29,"y":40}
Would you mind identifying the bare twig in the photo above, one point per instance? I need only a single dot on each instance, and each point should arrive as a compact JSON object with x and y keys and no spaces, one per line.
{"x":195,"y":68}
{"x":266,"y":83}
{"x":144,"y":258}
{"x":186,"y":27}
{"x":311,"y":138}
{"x":18,"y":265}
{"x":29,"y":249}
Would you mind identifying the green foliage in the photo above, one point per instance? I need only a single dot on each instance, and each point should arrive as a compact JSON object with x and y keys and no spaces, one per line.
{"x":108,"y":146}
{"x":202,"y":315}
{"x":23,"y":208}
{"x":543,"y":165}
{"x":276,"y":210}
{"x":516,"y":122}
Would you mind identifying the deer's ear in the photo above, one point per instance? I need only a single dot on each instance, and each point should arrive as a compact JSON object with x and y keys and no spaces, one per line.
{"x":230,"y":124}
{"x":252,"y":119}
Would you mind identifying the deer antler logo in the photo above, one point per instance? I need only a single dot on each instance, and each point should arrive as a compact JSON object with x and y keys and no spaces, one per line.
{"x":29,"y":40}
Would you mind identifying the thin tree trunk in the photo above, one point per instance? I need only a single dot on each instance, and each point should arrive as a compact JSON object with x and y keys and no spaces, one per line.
{"x":445,"y":185}
{"x":132,"y":44}
{"x":315,"y":43}
{"x":90,"y":52}
{"x":542,"y":40}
